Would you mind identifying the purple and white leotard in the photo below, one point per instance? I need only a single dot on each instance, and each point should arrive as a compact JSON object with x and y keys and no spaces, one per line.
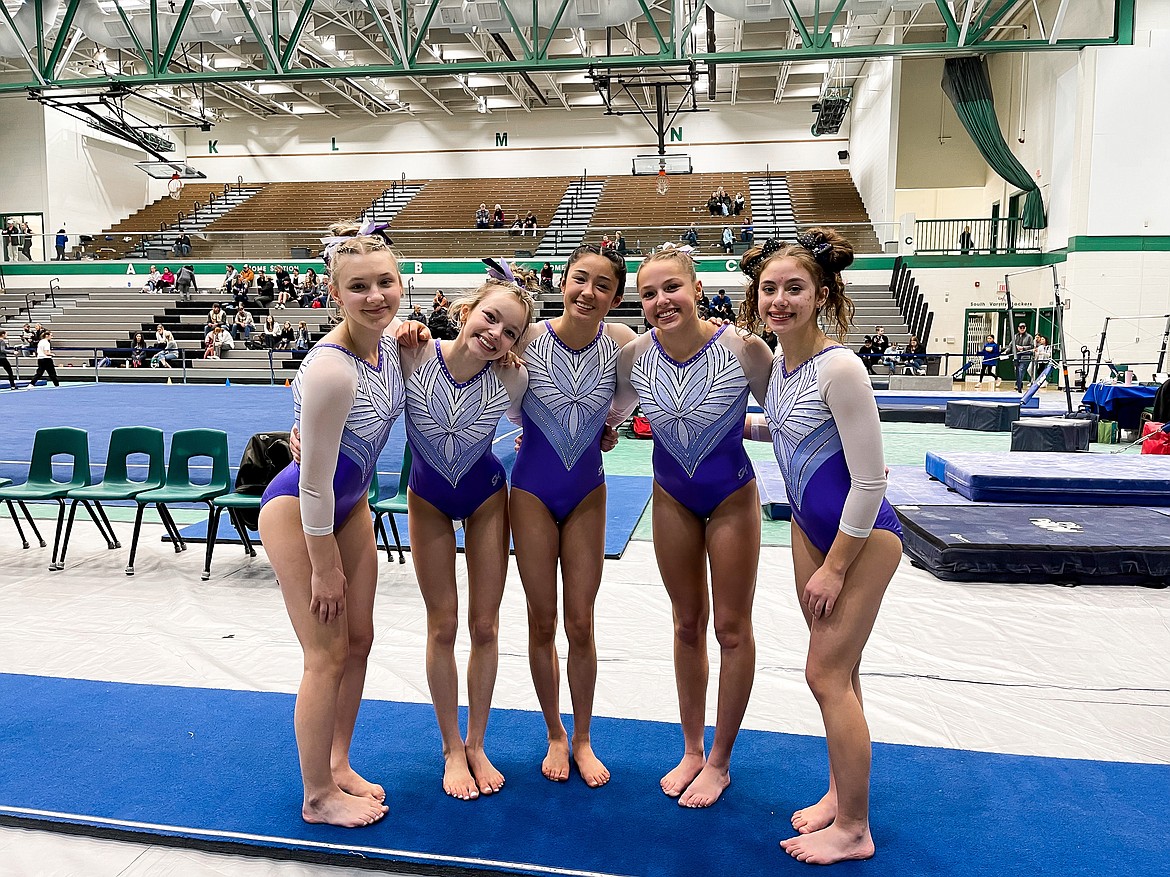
{"x":828,"y":441}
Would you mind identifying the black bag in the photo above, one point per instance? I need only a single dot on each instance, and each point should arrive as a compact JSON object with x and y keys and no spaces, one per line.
{"x":1162,"y":403}
{"x":266,"y":455}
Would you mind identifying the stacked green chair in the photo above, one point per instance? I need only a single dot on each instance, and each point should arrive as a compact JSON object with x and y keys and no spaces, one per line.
{"x":125,"y":442}
{"x":186,"y":445}
{"x":50,"y":442}
{"x":4,"y":482}
{"x":391,"y":506}
{"x":234,"y":503}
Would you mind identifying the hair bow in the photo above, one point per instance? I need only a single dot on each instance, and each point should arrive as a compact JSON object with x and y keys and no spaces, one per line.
{"x":753,"y":265}
{"x":499,"y":269}
{"x":814,"y":243}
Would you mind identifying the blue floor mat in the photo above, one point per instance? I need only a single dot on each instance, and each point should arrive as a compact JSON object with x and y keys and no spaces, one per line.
{"x":217,"y":769}
{"x":627,"y":496}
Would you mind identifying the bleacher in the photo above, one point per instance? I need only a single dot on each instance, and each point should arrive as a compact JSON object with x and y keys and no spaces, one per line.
{"x":829,"y":197}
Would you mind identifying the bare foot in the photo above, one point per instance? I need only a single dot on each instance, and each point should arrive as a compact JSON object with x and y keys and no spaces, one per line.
{"x":819,"y":815}
{"x":555,"y":766}
{"x":592,"y":770}
{"x":488,"y":778}
{"x":343,"y":809}
{"x":349,"y":780}
{"x":706,"y":788}
{"x":829,"y":845}
{"x":676,"y":782}
{"x":457,"y":779}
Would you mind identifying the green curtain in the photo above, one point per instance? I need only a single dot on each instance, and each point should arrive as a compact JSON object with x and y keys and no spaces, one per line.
{"x":968,"y":85}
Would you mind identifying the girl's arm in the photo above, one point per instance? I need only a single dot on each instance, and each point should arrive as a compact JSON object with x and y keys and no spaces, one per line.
{"x":328,"y":389}
{"x":515,"y":381}
{"x":625,"y":397}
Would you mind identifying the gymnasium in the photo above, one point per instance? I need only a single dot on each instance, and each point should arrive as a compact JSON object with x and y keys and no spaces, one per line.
{"x":984,"y":157}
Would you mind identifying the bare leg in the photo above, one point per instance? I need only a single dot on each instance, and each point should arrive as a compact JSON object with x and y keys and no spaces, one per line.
{"x":486,"y":535}
{"x":835,"y":647}
{"x":432,"y":550}
{"x":537,"y":539}
{"x":326,"y":649}
{"x":733,"y":545}
{"x":582,"y":558}
{"x":680,"y":548}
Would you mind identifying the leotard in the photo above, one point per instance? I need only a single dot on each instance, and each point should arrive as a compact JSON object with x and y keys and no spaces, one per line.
{"x":696,"y":411}
{"x":828,"y":441}
{"x":564,"y":411}
{"x":343,"y":408}
{"x":450,"y":427}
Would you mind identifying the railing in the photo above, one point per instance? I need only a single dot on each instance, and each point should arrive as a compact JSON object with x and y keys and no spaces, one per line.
{"x":102,"y":360}
{"x":971,"y":236}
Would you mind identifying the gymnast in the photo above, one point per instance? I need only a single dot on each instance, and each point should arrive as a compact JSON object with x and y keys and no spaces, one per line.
{"x":315,"y":519}
{"x":557,"y":502}
{"x":456,"y":392}
{"x":693,"y":380}
{"x":822,"y":420}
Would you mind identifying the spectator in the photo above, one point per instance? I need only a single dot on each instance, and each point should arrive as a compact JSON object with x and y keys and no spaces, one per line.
{"x":1022,"y":348}
{"x":747,"y":231}
{"x":60,"y":244}
{"x":243,"y":325}
{"x":4,"y":363}
{"x":703,"y":306}
{"x":185,"y":282}
{"x":169,"y":352}
{"x":914,"y":357}
{"x":160,"y":337}
{"x":966,"y":242}
{"x":880,"y":341}
{"x":28,"y":339}
{"x":138,"y":351}
{"x":294,"y":278}
{"x":26,"y":242}
{"x":229,"y":278}
{"x":497,"y":217}
{"x":45,"y":367}
{"x":713,"y":205}
{"x":690,"y":236}
{"x":892,"y":358}
{"x":417,"y":315}
{"x":606,"y":243}
{"x":182,"y":245}
{"x":440,"y":300}
{"x":990,"y":351}
{"x":302,"y":340}
{"x":265,"y":289}
{"x":546,"y":276}
{"x":867,"y":353}
{"x":271,"y":332}
{"x":1043,"y":353}
{"x":722,"y":308}
{"x":440,"y":325}
{"x":769,"y":338}
{"x":248,"y":276}
{"x":619,"y":244}
{"x":517,"y":226}
{"x":217,"y":343}
{"x":215,"y":316}
{"x":240,"y":294}
{"x":724,"y":202}
{"x":287,"y":335}
{"x":728,"y":240}
{"x":152,"y":280}
{"x":11,"y":241}
{"x":167,"y":281}
{"x":482,"y":216}
{"x":309,"y":288}
{"x":530,"y":223}
{"x":738,"y":204}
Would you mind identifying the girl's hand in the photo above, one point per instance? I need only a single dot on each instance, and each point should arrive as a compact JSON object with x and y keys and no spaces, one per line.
{"x":294,"y":445}
{"x":328,"y":602}
{"x":822,"y":591}
{"x":609,"y":438}
{"x":519,"y":440}
{"x":411,"y":334}
{"x":511,"y":359}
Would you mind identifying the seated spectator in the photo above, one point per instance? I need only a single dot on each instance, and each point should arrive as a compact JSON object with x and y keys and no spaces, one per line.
{"x":169,"y":352}
{"x":690,"y":236}
{"x":606,"y":243}
{"x":185,"y":282}
{"x":738,"y":203}
{"x":287,"y":335}
{"x":417,"y":315}
{"x":747,"y":231}
{"x":243,"y":325}
{"x":28,"y":339}
{"x":704,"y":305}
{"x":182,"y":245}
{"x":240,"y":295}
{"x":167,"y":281}
{"x":867,"y":353}
{"x":301,"y":340}
{"x":310,"y":288}
{"x":892,"y":358}
{"x":217,"y":343}
{"x":713,"y":206}
{"x":728,"y":240}
{"x":215,"y":316}
{"x":517,"y":226}
{"x":248,"y":276}
{"x":440,"y":300}
{"x":439,"y":323}
{"x":546,"y":276}
{"x":152,"y":279}
{"x":769,"y":338}
{"x":914,"y":356}
{"x":724,"y":202}
{"x":271,"y":332}
{"x":160,"y":337}
{"x":229,"y":278}
{"x":482,"y":217}
{"x":294,"y":278}
{"x":137,"y":351}
{"x":530,"y":223}
{"x":619,"y":244}
{"x":497,"y":217}
{"x":721,"y":307}
{"x":265,"y":290}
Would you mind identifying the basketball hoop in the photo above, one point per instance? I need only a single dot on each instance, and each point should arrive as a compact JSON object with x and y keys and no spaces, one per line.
{"x":661,"y":186}
{"x":175,"y":186}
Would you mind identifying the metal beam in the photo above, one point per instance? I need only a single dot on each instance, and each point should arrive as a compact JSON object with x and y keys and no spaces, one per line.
{"x":298,"y":29}
{"x":50,"y":67}
{"x":266,"y":46}
{"x":176,"y":35}
{"x":28,"y":58}
{"x":1059,"y":22}
{"x":948,"y":17}
{"x":993,"y":19}
{"x":134,"y":36}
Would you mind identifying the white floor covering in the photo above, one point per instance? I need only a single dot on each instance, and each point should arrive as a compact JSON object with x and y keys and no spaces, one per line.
{"x":1025,"y":669}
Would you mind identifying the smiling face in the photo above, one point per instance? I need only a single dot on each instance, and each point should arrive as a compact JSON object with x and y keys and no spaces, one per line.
{"x":591,"y":287}
{"x":367,"y":287}
{"x":669,"y":293}
{"x":493,"y":325}
{"x":788,"y":297}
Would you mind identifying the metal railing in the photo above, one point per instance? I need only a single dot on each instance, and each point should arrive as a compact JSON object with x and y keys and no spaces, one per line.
{"x":102,"y":361}
{"x":977,"y":236}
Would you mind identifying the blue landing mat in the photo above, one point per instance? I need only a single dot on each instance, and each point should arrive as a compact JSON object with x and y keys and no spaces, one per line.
{"x":627,"y":496}
{"x":911,"y":399}
{"x":214,"y":768}
{"x":1055,"y":478}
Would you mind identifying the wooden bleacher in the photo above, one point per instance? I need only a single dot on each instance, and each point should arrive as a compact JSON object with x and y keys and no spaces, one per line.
{"x":150,"y":219}
{"x":829,"y":197}
{"x":628,"y":203}
{"x":451,"y":204}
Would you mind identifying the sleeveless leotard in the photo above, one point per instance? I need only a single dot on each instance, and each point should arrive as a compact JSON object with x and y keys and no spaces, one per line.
{"x":450,"y":427}
{"x":827,"y":438}
{"x":343,"y":408}
{"x":564,"y":411}
{"x":696,"y":411}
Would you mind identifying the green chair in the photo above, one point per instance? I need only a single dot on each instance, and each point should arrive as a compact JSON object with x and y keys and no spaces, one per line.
{"x":234,"y":503}
{"x":391,"y":506}
{"x":125,"y":442}
{"x":50,"y":442}
{"x":186,"y":445}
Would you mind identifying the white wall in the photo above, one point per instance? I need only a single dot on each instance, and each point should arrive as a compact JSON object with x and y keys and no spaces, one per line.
{"x":873,"y":137}
{"x":934,"y":150}
{"x":552,"y":143}
{"x":22,"y":144}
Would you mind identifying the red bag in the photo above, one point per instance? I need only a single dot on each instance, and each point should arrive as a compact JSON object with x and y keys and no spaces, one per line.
{"x":1158,"y":441}
{"x":641,"y":427}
